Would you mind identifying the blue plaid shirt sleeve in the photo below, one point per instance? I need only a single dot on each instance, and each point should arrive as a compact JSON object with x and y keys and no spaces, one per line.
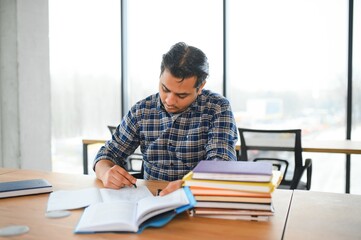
{"x":222,"y":135}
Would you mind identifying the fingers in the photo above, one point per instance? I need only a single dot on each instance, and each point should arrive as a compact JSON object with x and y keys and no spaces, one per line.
{"x":117,"y":177}
{"x":123,"y":176}
{"x":171,"y":187}
{"x":128,"y":178}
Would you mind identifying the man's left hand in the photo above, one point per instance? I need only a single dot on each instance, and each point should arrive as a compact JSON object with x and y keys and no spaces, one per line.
{"x":171,"y":187}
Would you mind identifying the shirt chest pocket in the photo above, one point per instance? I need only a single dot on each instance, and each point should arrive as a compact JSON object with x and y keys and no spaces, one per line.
{"x":192,"y":147}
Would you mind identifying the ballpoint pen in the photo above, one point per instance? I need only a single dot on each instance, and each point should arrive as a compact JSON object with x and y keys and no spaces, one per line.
{"x":158,"y":191}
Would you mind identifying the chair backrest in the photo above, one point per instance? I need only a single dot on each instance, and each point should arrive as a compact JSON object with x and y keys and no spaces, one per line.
{"x":112,"y":129}
{"x":282,"y":147}
{"x":135,"y":165}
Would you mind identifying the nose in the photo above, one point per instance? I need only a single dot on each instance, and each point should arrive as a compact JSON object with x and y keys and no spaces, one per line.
{"x":170,"y":99}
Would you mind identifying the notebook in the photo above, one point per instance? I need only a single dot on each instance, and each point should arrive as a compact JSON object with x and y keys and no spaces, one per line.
{"x":24,"y":187}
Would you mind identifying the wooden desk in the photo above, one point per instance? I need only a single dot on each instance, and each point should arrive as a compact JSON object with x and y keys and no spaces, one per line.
{"x":326,"y":146}
{"x":30,"y":210}
{"x":336,"y":146}
{"x":332,"y":146}
{"x":6,"y":170}
{"x":321,"y":146}
{"x":315,"y":215}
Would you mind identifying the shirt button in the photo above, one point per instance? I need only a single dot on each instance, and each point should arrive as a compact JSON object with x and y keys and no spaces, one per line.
{"x":171,"y":164}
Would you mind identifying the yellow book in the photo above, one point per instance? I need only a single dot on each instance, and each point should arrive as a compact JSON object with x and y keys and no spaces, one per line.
{"x":264,"y":187}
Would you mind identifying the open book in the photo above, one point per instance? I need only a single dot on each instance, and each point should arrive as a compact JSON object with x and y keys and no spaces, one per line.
{"x":134,"y":216}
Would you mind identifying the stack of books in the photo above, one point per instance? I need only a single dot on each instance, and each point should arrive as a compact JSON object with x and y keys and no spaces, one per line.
{"x":233,"y":190}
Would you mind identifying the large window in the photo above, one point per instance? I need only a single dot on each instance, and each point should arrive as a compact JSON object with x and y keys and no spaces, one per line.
{"x":154,"y":26}
{"x":356,"y":101}
{"x":287,"y":68}
{"x":85,"y":76}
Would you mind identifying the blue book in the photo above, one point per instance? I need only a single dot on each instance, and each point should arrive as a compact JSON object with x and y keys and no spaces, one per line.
{"x":24,"y":187}
{"x":233,"y":171}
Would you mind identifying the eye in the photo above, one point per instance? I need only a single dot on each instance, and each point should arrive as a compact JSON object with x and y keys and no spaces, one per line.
{"x":165,"y":89}
{"x":182,"y":96}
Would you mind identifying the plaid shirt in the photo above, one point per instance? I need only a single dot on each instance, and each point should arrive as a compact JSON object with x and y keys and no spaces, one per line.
{"x":173,"y":144}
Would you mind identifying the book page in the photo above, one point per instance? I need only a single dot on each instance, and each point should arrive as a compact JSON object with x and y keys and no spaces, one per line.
{"x":151,"y":206}
{"x":130,"y":194}
{"x":108,"y":217}
{"x":73,"y":199}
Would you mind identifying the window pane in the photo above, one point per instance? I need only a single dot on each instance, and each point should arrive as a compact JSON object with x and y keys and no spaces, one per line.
{"x":85,"y":75}
{"x":288,"y":69}
{"x":356,"y":101}
{"x":154,"y":26}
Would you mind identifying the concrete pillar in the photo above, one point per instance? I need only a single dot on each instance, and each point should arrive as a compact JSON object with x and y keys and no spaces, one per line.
{"x":25,"y":124}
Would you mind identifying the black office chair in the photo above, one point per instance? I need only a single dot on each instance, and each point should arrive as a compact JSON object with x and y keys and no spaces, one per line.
{"x":134,"y":163}
{"x":281,"y":147}
{"x":112,"y":129}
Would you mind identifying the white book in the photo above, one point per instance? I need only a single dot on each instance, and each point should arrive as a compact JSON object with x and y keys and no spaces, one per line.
{"x":236,"y":205}
{"x":134,"y":216}
{"x":237,"y":217}
{"x":24,"y":187}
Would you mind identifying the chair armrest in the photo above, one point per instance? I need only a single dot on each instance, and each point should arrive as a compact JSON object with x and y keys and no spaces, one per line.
{"x":298,"y":175}
{"x":308,"y":163}
{"x":308,"y":168}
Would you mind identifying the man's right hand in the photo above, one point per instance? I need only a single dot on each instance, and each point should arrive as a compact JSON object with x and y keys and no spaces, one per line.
{"x":112,"y":175}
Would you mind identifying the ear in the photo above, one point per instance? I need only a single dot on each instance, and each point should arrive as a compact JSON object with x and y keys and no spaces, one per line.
{"x":201,"y":87}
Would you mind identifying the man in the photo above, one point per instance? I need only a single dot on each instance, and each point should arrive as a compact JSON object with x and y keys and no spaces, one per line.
{"x":175,"y":128}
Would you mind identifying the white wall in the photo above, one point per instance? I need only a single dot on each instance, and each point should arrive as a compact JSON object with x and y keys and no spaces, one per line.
{"x":25,"y":126}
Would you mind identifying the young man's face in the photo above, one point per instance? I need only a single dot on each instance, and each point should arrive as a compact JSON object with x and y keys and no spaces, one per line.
{"x":177,"y":95}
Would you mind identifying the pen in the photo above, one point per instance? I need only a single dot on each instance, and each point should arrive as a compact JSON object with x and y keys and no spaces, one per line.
{"x":134,"y":185}
{"x":158,"y":191}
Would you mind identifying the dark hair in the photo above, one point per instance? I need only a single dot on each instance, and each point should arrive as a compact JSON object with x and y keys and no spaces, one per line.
{"x":185,"y":61}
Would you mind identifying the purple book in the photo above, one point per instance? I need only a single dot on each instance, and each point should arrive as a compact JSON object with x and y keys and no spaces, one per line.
{"x":233,"y":171}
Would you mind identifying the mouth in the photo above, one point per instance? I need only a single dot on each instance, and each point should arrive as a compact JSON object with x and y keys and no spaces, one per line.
{"x":170,"y":108}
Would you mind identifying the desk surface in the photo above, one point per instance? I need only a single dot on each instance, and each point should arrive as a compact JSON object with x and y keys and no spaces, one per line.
{"x":30,"y":210}
{"x":332,"y":146}
{"x":321,"y":146}
{"x":6,"y":170}
{"x":316,"y":215}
